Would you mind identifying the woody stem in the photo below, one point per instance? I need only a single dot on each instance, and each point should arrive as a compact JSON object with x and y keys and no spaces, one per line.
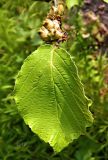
{"x":55,"y":3}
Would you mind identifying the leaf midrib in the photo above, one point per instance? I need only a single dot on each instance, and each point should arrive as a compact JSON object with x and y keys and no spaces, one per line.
{"x":54,"y":84}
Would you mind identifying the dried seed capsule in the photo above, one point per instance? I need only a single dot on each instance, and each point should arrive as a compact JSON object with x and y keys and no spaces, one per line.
{"x":59,"y":34}
{"x":56,"y":24}
{"x":60,"y":9}
{"x":52,"y":32}
{"x":53,"y":10}
{"x":44,"y":33}
{"x":48,"y":23}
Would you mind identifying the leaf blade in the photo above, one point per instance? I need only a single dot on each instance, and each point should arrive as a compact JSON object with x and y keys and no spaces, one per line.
{"x":71,"y":3}
{"x":46,"y":93}
{"x":106,"y":1}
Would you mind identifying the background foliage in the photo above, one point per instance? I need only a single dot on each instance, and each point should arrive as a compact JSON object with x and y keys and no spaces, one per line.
{"x":19,"y":24}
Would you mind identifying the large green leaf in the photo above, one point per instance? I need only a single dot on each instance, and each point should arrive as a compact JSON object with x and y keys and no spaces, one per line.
{"x":71,"y":3}
{"x":50,"y":97}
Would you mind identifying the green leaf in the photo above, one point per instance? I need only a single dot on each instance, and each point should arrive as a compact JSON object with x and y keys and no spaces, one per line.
{"x":106,"y":1}
{"x":50,"y":97}
{"x":71,"y":3}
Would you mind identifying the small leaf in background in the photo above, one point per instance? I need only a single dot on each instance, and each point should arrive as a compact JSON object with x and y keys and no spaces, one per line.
{"x":71,"y":3}
{"x":50,"y":97}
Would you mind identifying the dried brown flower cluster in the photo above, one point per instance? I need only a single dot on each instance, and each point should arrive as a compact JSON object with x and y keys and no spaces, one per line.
{"x":95,"y":14}
{"x":95,"y":27}
{"x":52,"y":31}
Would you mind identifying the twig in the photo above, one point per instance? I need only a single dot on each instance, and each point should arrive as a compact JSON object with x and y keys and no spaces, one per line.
{"x":55,"y":3}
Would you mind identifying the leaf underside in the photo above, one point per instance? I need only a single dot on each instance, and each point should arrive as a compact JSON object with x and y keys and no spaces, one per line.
{"x":50,"y":97}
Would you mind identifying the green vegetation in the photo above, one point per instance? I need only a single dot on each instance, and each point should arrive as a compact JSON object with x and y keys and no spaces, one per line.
{"x":51,"y":97}
{"x":20,"y":22}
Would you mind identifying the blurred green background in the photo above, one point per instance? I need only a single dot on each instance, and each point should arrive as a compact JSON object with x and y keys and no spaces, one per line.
{"x":20,"y":21}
